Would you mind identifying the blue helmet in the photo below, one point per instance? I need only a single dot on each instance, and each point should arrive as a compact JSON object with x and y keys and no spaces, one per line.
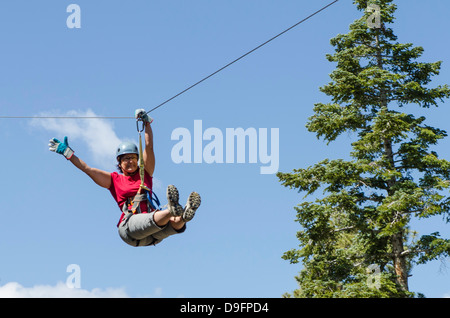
{"x":126,"y":148}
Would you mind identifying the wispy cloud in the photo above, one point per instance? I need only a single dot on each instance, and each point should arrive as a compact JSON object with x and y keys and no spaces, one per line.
{"x":60,"y":290}
{"x":96,"y":133}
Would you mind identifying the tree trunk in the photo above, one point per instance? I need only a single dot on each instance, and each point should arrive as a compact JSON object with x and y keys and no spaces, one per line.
{"x":400,"y":264}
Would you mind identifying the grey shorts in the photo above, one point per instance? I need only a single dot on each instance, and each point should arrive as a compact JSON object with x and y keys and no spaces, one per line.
{"x":141,"y":230}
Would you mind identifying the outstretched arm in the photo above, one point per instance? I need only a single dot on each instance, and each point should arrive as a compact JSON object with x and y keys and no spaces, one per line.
{"x":102,"y":178}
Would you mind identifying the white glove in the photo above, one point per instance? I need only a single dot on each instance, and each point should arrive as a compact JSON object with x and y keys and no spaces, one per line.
{"x":141,"y":114}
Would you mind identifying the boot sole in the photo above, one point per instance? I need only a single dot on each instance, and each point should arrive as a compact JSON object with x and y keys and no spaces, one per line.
{"x":173,"y":196}
{"x":192,"y":205}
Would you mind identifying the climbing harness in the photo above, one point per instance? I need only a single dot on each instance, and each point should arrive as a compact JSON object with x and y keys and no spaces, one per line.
{"x":144,"y":193}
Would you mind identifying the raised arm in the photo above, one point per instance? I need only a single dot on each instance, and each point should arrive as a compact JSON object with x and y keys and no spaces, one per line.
{"x":102,"y":178}
{"x":148,"y":155}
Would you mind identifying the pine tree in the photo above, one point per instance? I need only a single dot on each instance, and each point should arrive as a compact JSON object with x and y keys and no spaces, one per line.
{"x":355,"y":239}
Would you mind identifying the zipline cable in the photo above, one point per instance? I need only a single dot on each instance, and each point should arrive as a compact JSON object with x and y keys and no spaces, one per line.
{"x":65,"y":117}
{"x":242,"y":56}
{"x":190,"y":87}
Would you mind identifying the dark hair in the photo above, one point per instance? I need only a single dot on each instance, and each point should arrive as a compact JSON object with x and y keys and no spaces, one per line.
{"x":119,"y":160}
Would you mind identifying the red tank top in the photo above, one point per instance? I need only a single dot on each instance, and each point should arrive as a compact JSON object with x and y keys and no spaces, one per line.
{"x":124,"y":187}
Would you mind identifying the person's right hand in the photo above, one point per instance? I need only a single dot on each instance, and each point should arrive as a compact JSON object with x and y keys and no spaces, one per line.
{"x":141,"y":114}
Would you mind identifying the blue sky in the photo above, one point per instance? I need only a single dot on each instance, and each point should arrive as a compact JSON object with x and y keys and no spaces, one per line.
{"x":129,"y":55}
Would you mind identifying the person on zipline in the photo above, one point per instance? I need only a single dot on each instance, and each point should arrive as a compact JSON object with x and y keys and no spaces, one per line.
{"x":139,"y":224}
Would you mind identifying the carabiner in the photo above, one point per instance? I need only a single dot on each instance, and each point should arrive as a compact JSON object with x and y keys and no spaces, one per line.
{"x":137,"y":125}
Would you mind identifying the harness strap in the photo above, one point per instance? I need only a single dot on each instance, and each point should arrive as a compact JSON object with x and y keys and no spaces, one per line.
{"x":141,"y":158}
{"x":154,"y":202}
{"x":135,"y":202}
{"x":143,"y":192}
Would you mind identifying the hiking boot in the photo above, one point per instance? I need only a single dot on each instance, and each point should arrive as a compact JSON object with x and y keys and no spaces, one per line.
{"x":192,"y":205}
{"x":173,"y":206}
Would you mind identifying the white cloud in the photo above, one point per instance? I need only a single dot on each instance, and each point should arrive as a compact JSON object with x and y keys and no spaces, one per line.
{"x":98,"y":134}
{"x":60,"y":290}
